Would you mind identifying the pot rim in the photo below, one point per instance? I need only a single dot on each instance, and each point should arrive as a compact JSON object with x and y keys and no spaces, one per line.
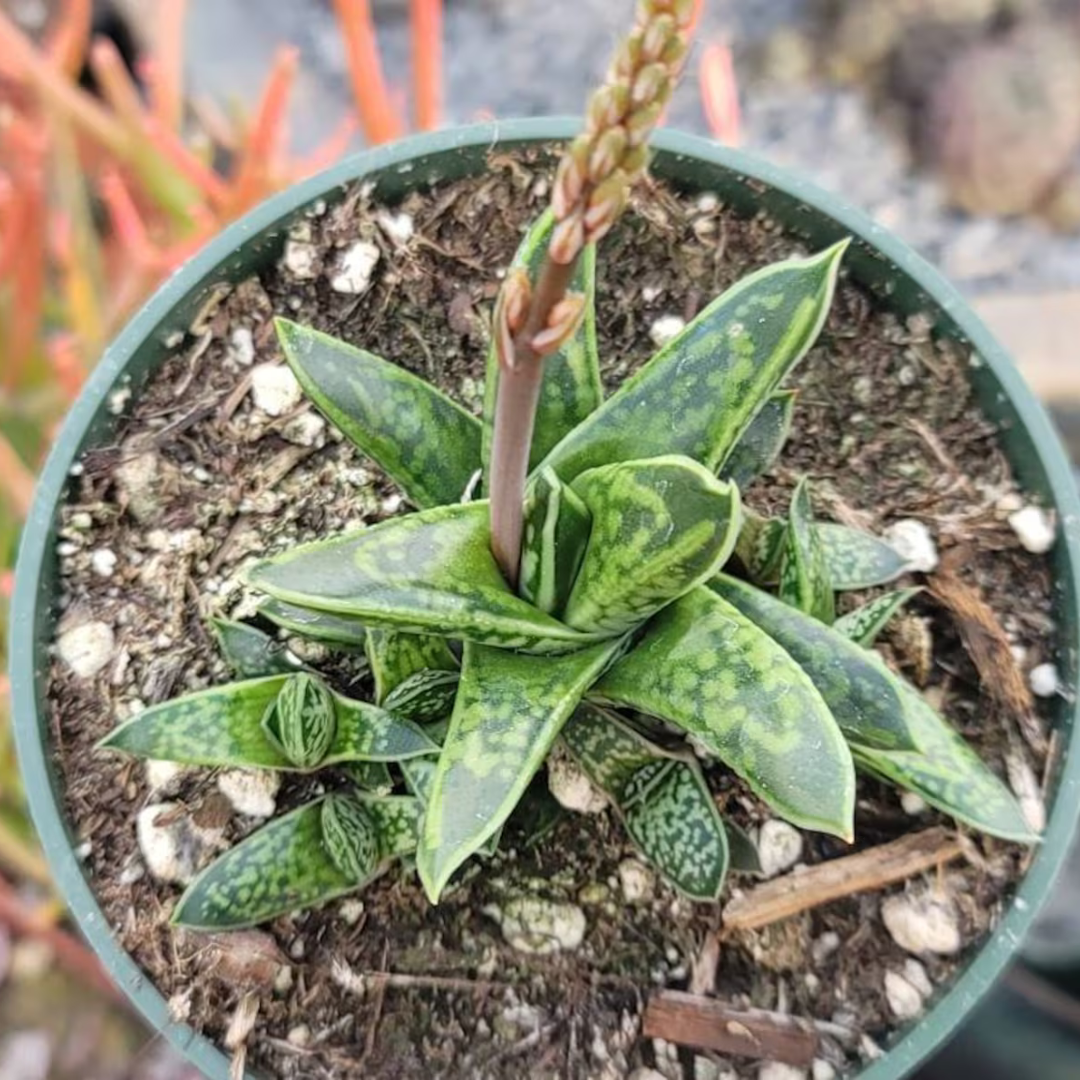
{"x":919,"y":1040}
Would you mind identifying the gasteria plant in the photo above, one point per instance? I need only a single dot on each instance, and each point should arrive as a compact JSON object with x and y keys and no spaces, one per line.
{"x":609,"y":595}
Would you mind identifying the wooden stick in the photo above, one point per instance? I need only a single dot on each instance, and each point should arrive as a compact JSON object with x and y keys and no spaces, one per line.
{"x":709,"y":1024}
{"x":867,"y":871}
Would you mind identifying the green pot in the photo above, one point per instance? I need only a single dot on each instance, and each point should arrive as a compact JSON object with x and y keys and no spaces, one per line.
{"x":876,"y":260}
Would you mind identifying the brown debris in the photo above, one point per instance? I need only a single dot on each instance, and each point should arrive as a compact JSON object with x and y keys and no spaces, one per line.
{"x":867,"y":871}
{"x":709,"y":1024}
{"x":248,"y":958}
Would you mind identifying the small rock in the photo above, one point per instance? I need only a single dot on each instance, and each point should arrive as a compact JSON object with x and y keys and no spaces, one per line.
{"x":86,"y":649}
{"x":822,"y":1070}
{"x":249,"y":958}
{"x":825,"y":946}
{"x":168,"y":841}
{"x":540,"y":927}
{"x":103,"y":562}
{"x":141,"y":478}
{"x":284,"y":981}
{"x":306,"y":429}
{"x":780,"y":846}
{"x":705,"y":1069}
{"x":913,"y":804}
{"x":301,"y":259}
{"x":905,"y":1001}
{"x":397,"y":227}
{"x":637,"y":880}
{"x":922,"y":924}
{"x":645,"y":1073}
{"x":351,"y":911}
{"x":914,"y":543}
{"x":666,"y":328}
{"x":862,"y":390}
{"x":299,"y":1035}
{"x":915,"y":974}
{"x":777,"y":1070}
{"x":354,"y":269}
{"x":570,"y":786}
{"x":252,"y":792}
{"x":163,"y":775}
{"x":274,"y":389}
{"x":596,"y":892}
{"x":1044,"y":680}
{"x":242,"y":346}
{"x":1034,"y":528}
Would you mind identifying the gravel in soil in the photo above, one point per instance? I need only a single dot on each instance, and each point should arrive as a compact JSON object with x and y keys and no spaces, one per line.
{"x":199,"y":479}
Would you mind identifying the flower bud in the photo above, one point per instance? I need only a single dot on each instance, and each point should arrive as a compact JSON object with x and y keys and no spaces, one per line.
{"x":606,"y":203}
{"x":652,"y":84}
{"x":567,"y":239}
{"x":563,"y":323}
{"x":627,"y":58}
{"x":511,"y":311}
{"x":640,"y":123}
{"x":608,"y":106}
{"x":568,"y":186}
{"x":658,"y":33}
{"x":606,"y":154}
{"x":634,"y":163}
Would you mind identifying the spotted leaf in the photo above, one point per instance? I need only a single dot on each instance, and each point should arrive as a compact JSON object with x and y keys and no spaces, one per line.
{"x":425,"y":696}
{"x":509,"y":710}
{"x":557,"y":526}
{"x":707,"y":668}
{"x":865,"y":697}
{"x":395,"y":657}
{"x":760,"y":547}
{"x":315,"y":625}
{"x":865,"y":623}
{"x":427,"y":443}
{"x":251,"y":652}
{"x":571,"y":388}
{"x":351,"y":837}
{"x":663,"y":800}
{"x":804,"y":574}
{"x":430,"y":572}
{"x":371,"y":776}
{"x":660,"y":527}
{"x":303,"y":720}
{"x":762,"y":441}
{"x":856,"y":559}
{"x":699,"y":393}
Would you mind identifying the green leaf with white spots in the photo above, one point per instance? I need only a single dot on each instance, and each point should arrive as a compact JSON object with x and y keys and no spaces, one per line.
{"x":420,"y":779}
{"x":282,"y":867}
{"x":395,"y":657}
{"x":251,"y":652}
{"x":742,"y":851}
{"x":350,"y":836}
{"x":571,"y":387}
{"x":427,"y":573}
{"x":804,"y":574}
{"x":510,"y":708}
{"x":371,"y":776}
{"x":662,"y":799}
{"x":856,"y":559}
{"x":237,"y":725}
{"x":303,"y":721}
{"x":865,"y":623}
{"x":314,"y":625}
{"x":423,"y":697}
{"x":708,"y":669}
{"x":699,"y":393}
{"x":761,"y":443}
{"x":760,"y":547}
{"x":947,"y":773}
{"x":427,"y":443}
{"x":660,"y":527}
{"x":556,"y":533}
{"x":865,"y":697}
{"x":397,"y":821}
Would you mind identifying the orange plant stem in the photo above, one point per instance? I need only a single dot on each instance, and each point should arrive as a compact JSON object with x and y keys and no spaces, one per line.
{"x":168,"y":84}
{"x":377,"y":115}
{"x":427,"y":62}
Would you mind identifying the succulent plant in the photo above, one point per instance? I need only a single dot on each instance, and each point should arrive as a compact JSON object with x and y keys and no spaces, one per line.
{"x":633,"y":611}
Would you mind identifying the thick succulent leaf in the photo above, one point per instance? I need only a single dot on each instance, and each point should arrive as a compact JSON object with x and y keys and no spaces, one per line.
{"x":303,"y":720}
{"x":571,"y":388}
{"x":865,"y":623}
{"x":428,"y":695}
{"x":762,"y":441}
{"x":397,"y":821}
{"x":510,"y":708}
{"x":662,"y":798}
{"x":219,"y":726}
{"x":947,"y":773}
{"x":371,"y":776}
{"x":427,"y":443}
{"x":282,"y":867}
{"x":251,"y":652}
{"x":420,"y":779}
{"x":708,"y":669}
{"x":315,"y":625}
{"x":224,"y":726}
{"x":431,"y":572}
{"x":395,"y":657}
{"x":804,"y":574}
{"x":856,"y":559}
{"x":760,"y":547}
{"x":557,"y":526}
{"x":742,"y":851}
{"x":350,"y":836}
{"x":700,"y":392}
{"x":660,"y":527}
{"x":865,"y":697}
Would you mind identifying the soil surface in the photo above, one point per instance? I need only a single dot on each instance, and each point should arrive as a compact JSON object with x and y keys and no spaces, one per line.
{"x":199,"y":480}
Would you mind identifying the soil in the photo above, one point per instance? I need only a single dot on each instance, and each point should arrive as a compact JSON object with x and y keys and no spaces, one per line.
{"x":198,"y":480}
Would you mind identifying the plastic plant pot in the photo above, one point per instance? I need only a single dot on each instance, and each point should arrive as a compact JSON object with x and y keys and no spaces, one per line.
{"x":877,"y":261}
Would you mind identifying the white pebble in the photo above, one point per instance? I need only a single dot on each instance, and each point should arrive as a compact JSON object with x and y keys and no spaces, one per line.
{"x":540,"y":927}
{"x":637,"y":881}
{"x":1034,"y":528}
{"x":825,"y":946}
{"x":704,"y":1069}
{"x":915,"y":974}
{"x":274,"y":389}
{"x":1044,"y":680}
{"x":922,"y":924}
{"x":651,"y":293}
{"x":242,"y":346}
{"x":118,"y":400}
{"x":780,"y":846}
{"x":103,"y":562}
{"x":354,"y":269}
{"x":914,"y":544}
{"x":86,"y":649}
{"x":299,"y":1035}
{"x":163,"y":775}
{"x":571,"y":788}
{"x":822,"y":1070}
{"x":913,"y":804}
{"x":351,"y":911}
{"x":707,"y":202}
{"x":397,"y":227}
{"x":252,"y":792}
{"x":306,"y":429}
{"x":905,"y":1001}
{"x":666,"y":328}
{"x":645,"y":1073}
{"x":301,"y":259}
{"x":777,"y":1070}
{"x":169,"y":849}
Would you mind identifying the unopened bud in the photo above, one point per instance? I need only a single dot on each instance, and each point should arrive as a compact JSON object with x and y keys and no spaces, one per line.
{"x":634,"y":163}
{"x":568,"y":186}
{"x":567,"y":239}
{"x":608,"y":106}
{"x":606,"y":203}
{"x":674,"y":53}
{"x":627,"y":58}
{"x":654,"y":41}
{"x":640,"y":123}
{"x":607,"y":154}
{"x":651,"y":84}
{"x":563,"y":323}
{"x":511,"y":311}
{"x":683,"y":11}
